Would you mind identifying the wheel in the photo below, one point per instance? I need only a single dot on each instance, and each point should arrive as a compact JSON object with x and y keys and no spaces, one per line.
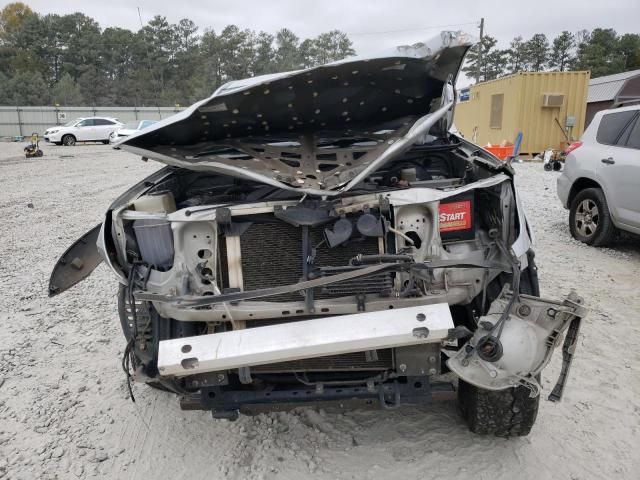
{"x":105,"y":142}
{"x":69,"y":140}
{"x":39,"y":153}
{"x":589,"y":218}
{"x":548,"y":167}
{"x":503,"y":413}
{"x":557,"y":166}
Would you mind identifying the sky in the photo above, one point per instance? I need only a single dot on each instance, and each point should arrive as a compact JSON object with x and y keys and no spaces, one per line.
{"x":369,"y":23}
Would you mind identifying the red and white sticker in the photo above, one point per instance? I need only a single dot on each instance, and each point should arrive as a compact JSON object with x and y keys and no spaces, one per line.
{"x":455,"y":216}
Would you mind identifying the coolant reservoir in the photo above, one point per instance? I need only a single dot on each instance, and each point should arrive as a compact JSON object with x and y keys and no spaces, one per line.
{"x":157,"y":202}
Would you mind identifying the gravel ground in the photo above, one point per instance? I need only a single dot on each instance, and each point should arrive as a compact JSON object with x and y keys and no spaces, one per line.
{"x":64,"y":407}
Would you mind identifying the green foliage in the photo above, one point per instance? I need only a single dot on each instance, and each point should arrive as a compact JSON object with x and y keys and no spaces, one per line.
{"x":70,"y":59}
{"x":601,"y":51}
{"x":26,"y":88}
{"x":561,"y":51}
{"x":66,"y":92}
{"x":476,"y":60}
{"x":537,"y":52}
{"x":516,"y":55}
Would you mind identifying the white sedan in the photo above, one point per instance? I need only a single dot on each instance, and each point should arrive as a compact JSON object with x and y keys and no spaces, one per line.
{"x":129,"y":129}
{"x":90,"y":129}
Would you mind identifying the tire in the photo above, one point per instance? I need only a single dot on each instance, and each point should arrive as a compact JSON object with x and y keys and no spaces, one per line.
{"x":548,"y":167}
{"x":589,"y":218}
{"x":557,"y":166}
{"x":105,"y":142}
{"x":503,"y":413}
{"x":69,"y":140}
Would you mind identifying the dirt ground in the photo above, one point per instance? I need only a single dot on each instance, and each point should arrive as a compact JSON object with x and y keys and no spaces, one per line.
{"x":65,"y":411}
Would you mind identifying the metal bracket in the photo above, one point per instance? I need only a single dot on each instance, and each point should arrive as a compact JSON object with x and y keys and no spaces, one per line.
{"x":244,"y":374}
{"x":568,"y":350}
{"x":371,"y":355}
{"x":360,"y":299}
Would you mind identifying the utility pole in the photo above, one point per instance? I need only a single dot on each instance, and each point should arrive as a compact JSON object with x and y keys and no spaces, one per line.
{"x":480,"y":51}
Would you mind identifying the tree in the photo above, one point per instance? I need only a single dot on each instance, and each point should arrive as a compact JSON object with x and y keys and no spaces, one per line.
{"x":629,"y":50}
{"x":495,"y":64}
{"x":287,"y":55}
{"x":66,"y":92}
{"x":600,"y":53}
{"x":537,"y":52}
{"x":163,"y":63}
{"x":234,"y":50}
{"x":4,"y":94}
{"x":332,"y":46}
{"x":516,"y":55}
{"x":473,"y":58}
{"x":27,"y":89}
{"x":562,"y":51}
{"x":11,"y":19}
{"x":263,"y":54}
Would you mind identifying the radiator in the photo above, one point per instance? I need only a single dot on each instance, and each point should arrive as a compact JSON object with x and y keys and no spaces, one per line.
{"x":272,"y":256}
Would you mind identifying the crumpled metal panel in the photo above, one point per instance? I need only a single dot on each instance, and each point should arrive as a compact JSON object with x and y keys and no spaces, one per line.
{"x":311,"y":128}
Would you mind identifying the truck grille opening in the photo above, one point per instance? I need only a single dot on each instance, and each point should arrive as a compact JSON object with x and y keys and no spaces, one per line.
{"x":272,"y":256}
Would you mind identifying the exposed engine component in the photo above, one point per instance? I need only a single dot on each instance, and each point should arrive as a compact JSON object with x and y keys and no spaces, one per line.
{"x":341,"y":232}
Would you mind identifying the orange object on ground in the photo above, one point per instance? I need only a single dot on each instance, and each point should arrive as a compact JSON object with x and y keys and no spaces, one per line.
{"x":500,"y":152}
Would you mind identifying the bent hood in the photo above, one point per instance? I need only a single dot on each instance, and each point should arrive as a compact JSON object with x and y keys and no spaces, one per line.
{"x":319,"y":130}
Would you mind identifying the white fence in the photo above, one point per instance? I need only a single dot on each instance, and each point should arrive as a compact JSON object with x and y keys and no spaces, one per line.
{"x":23,"y":121}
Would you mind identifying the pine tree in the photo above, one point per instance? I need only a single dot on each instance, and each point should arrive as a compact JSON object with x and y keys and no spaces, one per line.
{"x":66,"y":92}
{"x":537,"y":52}
{"x":562,"y":51}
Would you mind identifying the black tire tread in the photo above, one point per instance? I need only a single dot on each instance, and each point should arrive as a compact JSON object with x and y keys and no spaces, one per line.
{"x":503,"y":413}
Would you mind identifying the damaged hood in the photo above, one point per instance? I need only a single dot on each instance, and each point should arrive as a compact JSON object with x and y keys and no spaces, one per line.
{"x":319,"y":130}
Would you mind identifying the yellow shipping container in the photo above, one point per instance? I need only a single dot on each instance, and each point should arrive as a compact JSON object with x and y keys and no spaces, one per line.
{"x":539,"y":104}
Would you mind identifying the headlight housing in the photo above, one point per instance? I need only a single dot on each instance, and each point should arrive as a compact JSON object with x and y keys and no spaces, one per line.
{"x":52,"y":131}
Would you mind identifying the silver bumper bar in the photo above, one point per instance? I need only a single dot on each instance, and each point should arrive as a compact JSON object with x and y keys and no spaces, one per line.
{"x":304,"y":339}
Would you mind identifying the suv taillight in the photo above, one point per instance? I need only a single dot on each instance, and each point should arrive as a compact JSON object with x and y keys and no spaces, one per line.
{"x":571,"y":147}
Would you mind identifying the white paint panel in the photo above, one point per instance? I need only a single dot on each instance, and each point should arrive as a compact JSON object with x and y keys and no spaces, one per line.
{"x":304,"y":339}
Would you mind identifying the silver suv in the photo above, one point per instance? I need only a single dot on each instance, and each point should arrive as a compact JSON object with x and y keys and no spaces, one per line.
{"x":321,"y":236}
{"x":600,"y":184}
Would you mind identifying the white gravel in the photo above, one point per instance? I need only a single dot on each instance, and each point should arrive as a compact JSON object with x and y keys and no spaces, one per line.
{"x":65,"y":412}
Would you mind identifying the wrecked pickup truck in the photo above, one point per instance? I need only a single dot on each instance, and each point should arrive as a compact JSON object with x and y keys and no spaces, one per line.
{"x":323,"y":236}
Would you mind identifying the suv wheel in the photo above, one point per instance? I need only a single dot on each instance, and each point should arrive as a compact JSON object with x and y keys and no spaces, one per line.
{"x":589,"y":218}
{"x":69,"y":140}
{"x":503,"y":413}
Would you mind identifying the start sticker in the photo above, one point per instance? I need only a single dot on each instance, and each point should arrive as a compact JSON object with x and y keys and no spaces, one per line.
{"x":455,"y":216}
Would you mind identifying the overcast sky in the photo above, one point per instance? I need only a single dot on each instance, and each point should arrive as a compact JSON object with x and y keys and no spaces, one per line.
{"x":368,"y":22}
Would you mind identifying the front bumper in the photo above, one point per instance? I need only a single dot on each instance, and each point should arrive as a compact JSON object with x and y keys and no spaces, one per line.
{"x":53,"y":137}
{"x":305,"y":339}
